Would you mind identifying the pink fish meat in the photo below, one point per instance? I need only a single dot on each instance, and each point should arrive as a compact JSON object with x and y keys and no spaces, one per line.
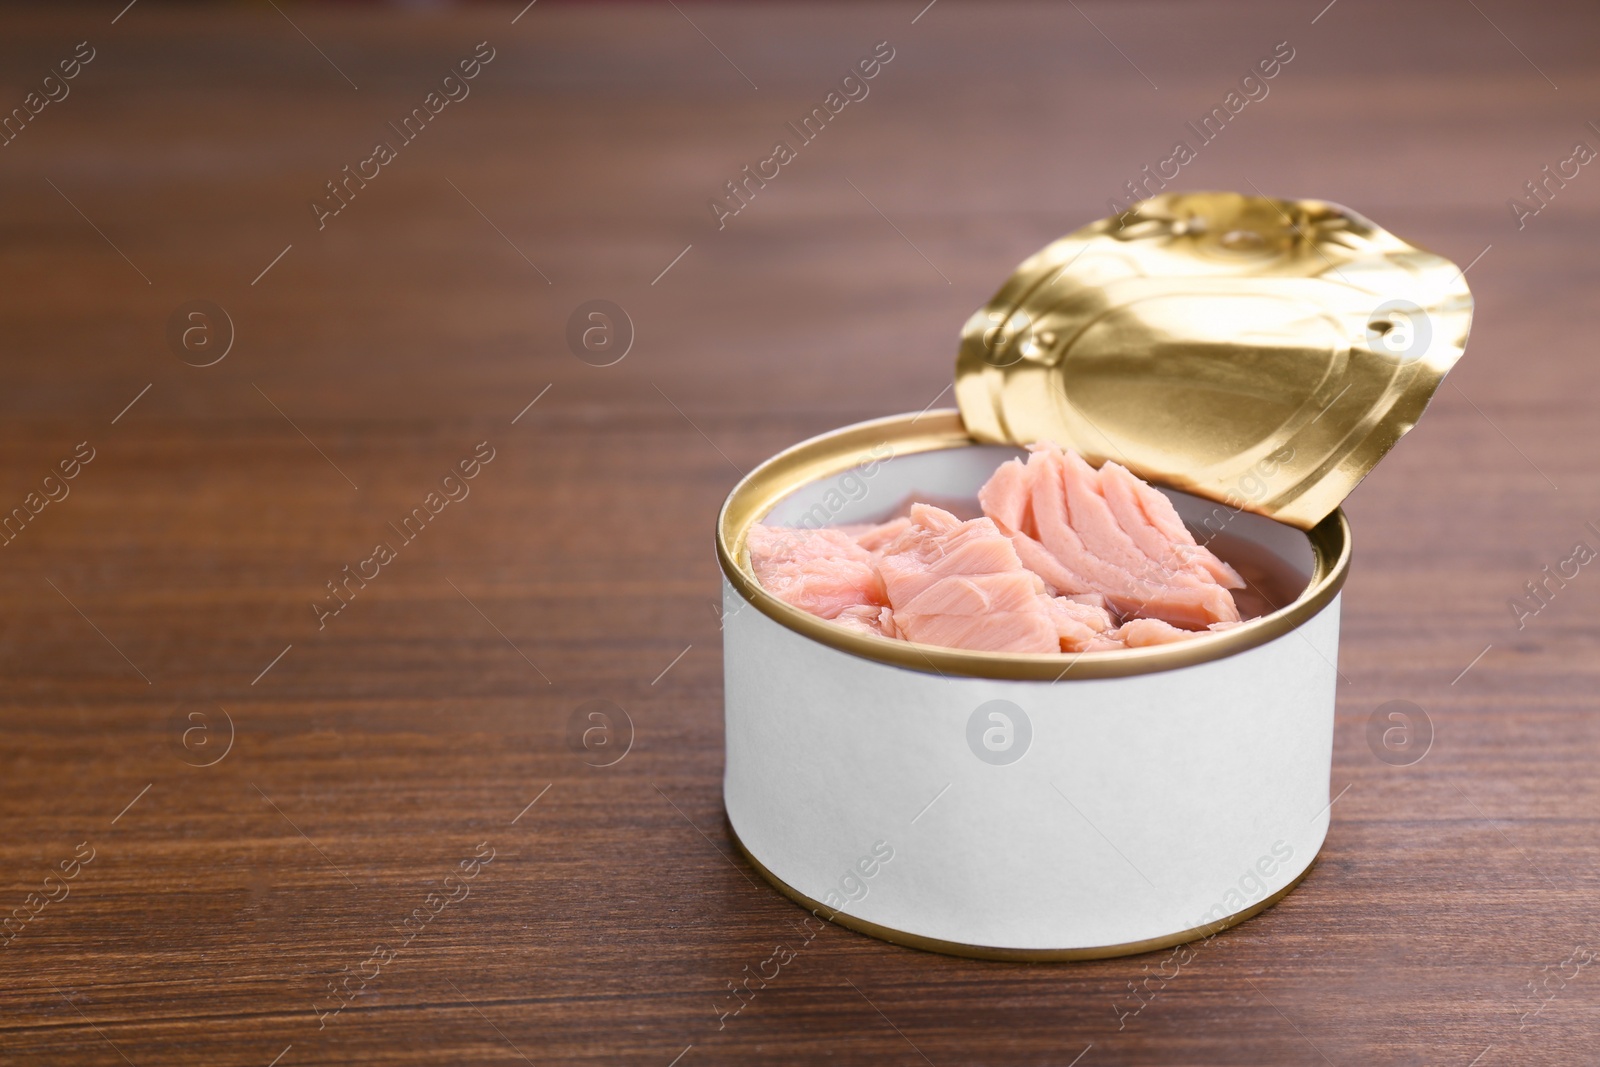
{"x":960,"y":584}
{"x":1067,"y":530}
{"x":1066,"y":558}
{"x":821,"y":571}
{"x":873,"y":536}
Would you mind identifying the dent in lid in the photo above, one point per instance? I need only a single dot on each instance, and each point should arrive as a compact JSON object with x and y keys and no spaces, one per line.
{"x":1259,"y":352}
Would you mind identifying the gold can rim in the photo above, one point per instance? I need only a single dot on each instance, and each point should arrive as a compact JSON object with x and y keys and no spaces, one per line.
{"x":838,"y":450}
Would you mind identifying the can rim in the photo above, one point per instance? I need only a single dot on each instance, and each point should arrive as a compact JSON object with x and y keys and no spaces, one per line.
{"x":839,"y":450}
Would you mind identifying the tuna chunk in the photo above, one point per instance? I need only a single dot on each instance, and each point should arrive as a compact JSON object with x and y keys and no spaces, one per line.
{"x":873,"y":536}
{"x":868,"y":620}
{"x":1142,"y":633}
{"x":821,"y":571}
{"x":960,"y":584}
{"x":1065,"y":527}
{"x":1078,"y":625}
{"x":1151,"y":521}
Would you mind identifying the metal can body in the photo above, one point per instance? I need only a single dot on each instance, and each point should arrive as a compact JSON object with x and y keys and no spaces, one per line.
{"x":1021,"y":806}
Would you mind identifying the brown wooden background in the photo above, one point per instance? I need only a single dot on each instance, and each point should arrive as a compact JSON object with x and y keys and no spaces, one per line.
{"x":377,"y":753}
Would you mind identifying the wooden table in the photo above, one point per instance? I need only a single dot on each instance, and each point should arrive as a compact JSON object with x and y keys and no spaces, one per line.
{"x":268,"y":790}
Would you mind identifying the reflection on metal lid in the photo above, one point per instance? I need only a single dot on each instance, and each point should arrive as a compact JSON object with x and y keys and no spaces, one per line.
{"x":1262,"y":353}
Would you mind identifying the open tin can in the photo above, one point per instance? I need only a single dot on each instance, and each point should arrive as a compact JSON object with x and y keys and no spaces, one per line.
{"x":1253,"y":359}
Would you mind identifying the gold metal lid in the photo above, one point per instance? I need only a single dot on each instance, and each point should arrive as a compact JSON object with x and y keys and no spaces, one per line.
{"x":1259,"y":352}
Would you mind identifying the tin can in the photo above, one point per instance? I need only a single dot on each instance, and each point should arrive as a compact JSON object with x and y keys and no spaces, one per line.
{"x":1026,"y":806}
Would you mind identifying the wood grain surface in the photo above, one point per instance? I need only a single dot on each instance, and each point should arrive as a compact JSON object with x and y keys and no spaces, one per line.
{"x":158,"y":616}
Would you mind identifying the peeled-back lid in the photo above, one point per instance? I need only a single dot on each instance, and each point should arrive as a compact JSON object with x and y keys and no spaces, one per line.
{"x":1262,"y":353}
